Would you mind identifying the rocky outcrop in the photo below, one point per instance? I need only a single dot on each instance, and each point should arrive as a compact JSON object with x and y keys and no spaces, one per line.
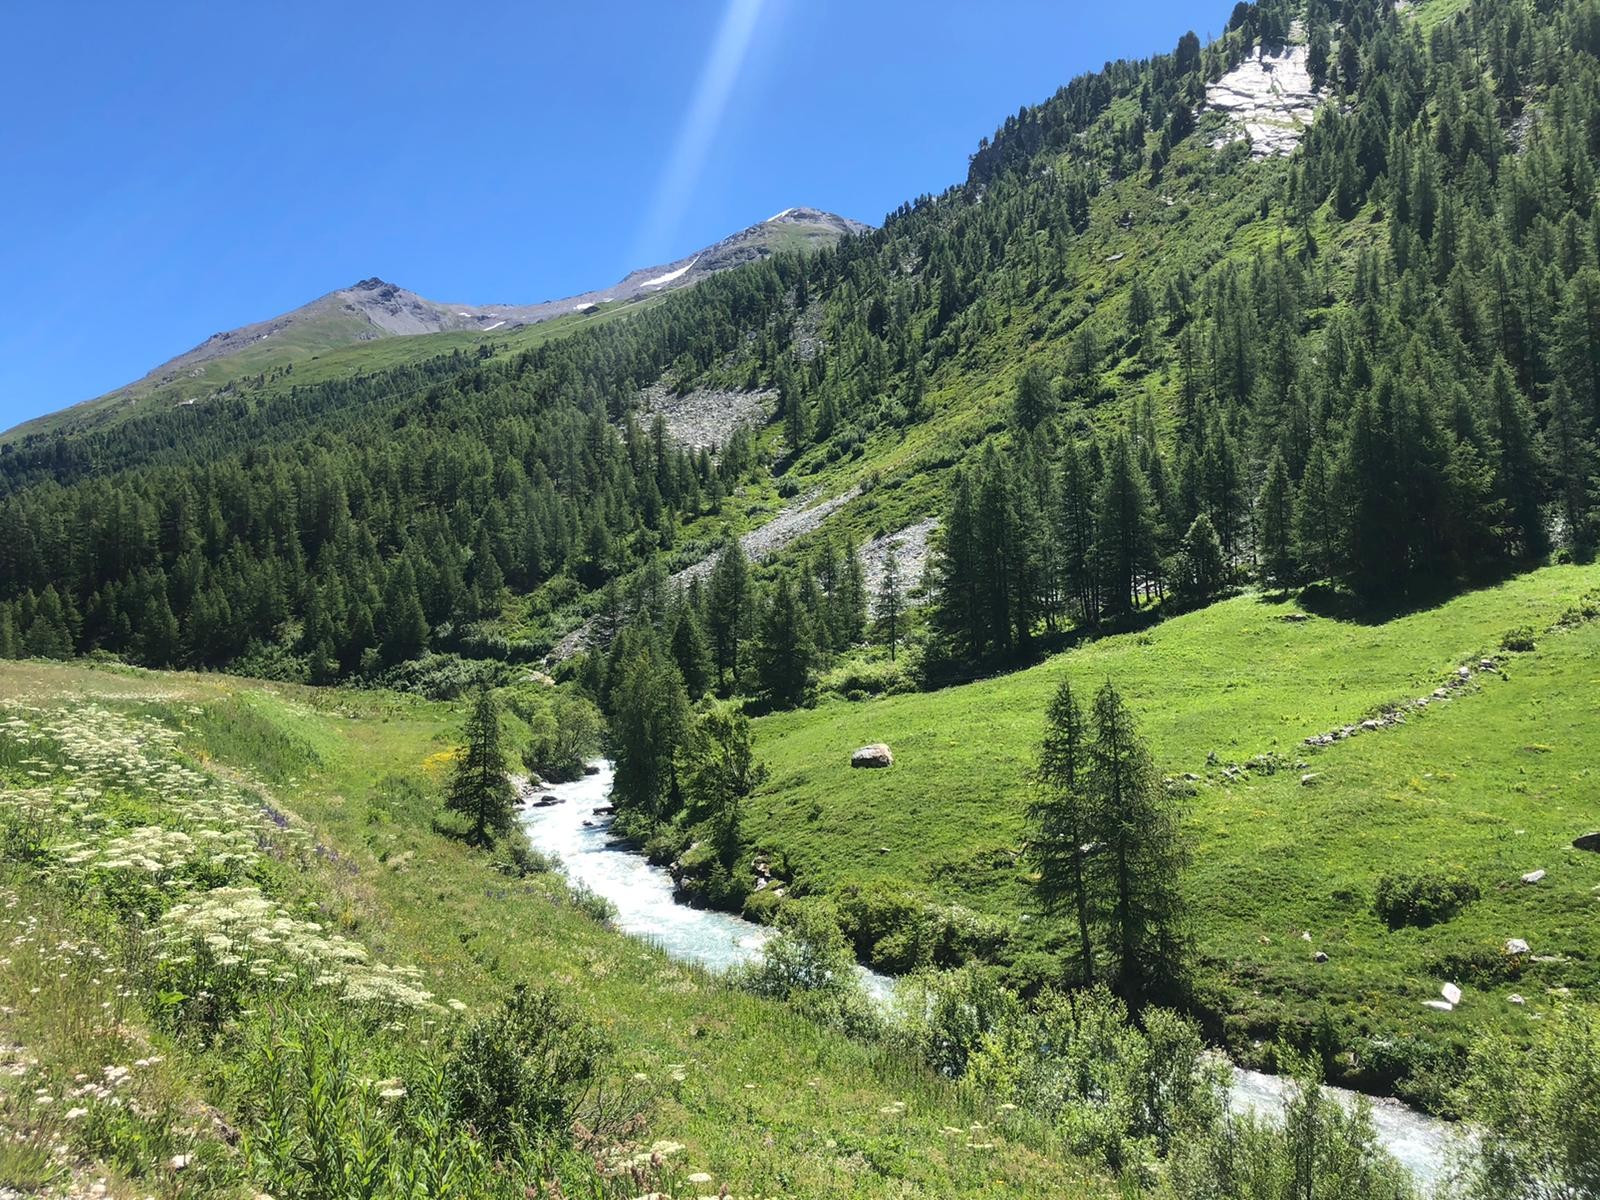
{"x":1269,"y":99}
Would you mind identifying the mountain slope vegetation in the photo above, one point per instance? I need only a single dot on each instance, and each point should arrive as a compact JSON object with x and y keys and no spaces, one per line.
{"x":1251,"y":448}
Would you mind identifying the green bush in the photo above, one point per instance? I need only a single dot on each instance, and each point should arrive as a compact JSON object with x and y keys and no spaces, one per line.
{"x":523,"y":1068}
{"x":1421,"y":900}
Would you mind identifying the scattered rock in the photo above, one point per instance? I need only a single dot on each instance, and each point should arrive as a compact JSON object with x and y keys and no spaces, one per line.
{"x":1440,"y":1005}
{"x":1452,"y":993}
{"x":1515,"y":998}
{"x":1463,"y":672}
{"x":1486,"y":664}
{"x":875,"y":755}
{"x":1294,"y":618}
{"x":591,"y":769}
{"x":911,"y":546}
{"x":1305,"y":936}
{"x":1588,"y":841}
{"x":1533,"y":876}
{"x":1516,"y":947}
{"x":1319,"y":957}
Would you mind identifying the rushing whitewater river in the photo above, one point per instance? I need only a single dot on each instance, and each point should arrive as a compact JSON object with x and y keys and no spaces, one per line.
{"x":643,"y":897}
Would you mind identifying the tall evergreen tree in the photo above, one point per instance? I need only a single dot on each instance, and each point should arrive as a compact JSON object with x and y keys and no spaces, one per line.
{"x":783,"y":649}
{"x":891,"y":600}
{"x":1275,"y":519}
{"x":1140,"y":857}
{"x":728,"y":609}
{"x":1060,"y":820}
{"x":479,"y":788}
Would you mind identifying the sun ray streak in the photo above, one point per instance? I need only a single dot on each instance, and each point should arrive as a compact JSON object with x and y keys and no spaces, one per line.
{"x":700,"y":124}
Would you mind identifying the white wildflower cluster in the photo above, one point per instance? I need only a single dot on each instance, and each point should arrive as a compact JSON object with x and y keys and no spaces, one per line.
{"x":87,"y":768}
{"x":86,"y":759}
{"x":232,"y":938}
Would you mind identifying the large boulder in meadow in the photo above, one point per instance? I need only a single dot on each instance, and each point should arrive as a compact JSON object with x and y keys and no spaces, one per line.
{"x":875,"y":755}
{"x":1589,"y":841}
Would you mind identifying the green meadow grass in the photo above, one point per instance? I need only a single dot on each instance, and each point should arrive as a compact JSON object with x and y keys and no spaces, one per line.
{"x":1273,"y":859}
{"x":770,"y":1102}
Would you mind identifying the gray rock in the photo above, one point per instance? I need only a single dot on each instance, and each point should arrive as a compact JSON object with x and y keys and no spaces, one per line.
{"x":1533,"y":876}
{"x":875,"y":755}
{"x":1309,"y":778}
{"x":1319,"y":957}
{"x":1516,"y":947}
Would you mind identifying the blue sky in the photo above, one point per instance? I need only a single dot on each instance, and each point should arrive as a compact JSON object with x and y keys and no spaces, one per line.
{"x":178,"y":169}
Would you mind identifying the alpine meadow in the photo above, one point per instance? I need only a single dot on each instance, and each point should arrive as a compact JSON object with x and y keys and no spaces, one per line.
{"x":1090,"y":687}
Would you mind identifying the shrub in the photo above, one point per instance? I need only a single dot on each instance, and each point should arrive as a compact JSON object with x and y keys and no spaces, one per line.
{"x":1422,"y":899}
{"x":525,"y":1067}
{"x":809,"y":966}
{"x":1519,"y":639}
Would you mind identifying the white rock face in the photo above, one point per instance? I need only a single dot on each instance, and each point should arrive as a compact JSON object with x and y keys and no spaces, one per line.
{"x":1269,"y":98}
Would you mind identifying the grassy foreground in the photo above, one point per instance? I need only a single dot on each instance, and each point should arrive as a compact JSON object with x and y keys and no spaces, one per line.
{"x":1489,"y":784}
{"x":325,"y":799}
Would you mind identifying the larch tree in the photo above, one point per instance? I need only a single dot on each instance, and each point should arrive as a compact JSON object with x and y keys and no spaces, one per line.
{"x":1061,"y":820}
{"x":479,"y":789}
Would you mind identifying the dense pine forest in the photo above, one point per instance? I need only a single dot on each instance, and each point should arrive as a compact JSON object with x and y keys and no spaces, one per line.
{"x":1377,"y":364}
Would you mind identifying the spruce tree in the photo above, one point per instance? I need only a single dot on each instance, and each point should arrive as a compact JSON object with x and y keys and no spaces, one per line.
{"x":1202,"y":568}
{"x":1139,"y":859}
{"x":1275,"y":519}
{"x":891,"y":600}
{"x":728,"y":609}
{"x":649,"y":715}
{"x":479,"y":789}
{"x":1125,"y":530}
{"x":1061,"y":822}
{"x":689,"y":650}
{"x":783,"y":650}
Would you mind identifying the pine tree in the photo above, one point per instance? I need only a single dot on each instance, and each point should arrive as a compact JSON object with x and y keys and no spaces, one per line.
{"x":404,"y":628}
{"x":1031,"y":401}
{"x":479,"y":789}
{"x":728,"y":609}
{"x":1075,"y":533}
{"x":1060,"y":821}
{"x":891,"y":600}
{"x":1516,"y":467}
{"x":957,"y":612}
{"x":1139,"y":858}
{"x":850,"y":611}
{"x":1202,"y":568}
{"x":1275,"y":519}
{"x":1125,"y":530}
{"x":689,"y":650}
{"x":649,"y":715}
{"x":783,"y":650}
{"x":1316,"y":515}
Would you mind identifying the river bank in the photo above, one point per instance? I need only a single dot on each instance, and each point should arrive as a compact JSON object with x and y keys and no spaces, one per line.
{"x":643,"y":896}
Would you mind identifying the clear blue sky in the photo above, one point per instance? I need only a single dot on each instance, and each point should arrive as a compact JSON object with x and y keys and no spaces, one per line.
{"x":177,"y":169}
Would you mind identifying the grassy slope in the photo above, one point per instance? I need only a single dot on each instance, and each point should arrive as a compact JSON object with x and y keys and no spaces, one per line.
{"x":771,"y":1103}
{"x":1272,"y":858}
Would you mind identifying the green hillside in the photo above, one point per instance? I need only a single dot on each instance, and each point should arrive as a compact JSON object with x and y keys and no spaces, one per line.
{"x":1258,"y":411}
{"x":1491,"y":783}
{"x":340,"y":788}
